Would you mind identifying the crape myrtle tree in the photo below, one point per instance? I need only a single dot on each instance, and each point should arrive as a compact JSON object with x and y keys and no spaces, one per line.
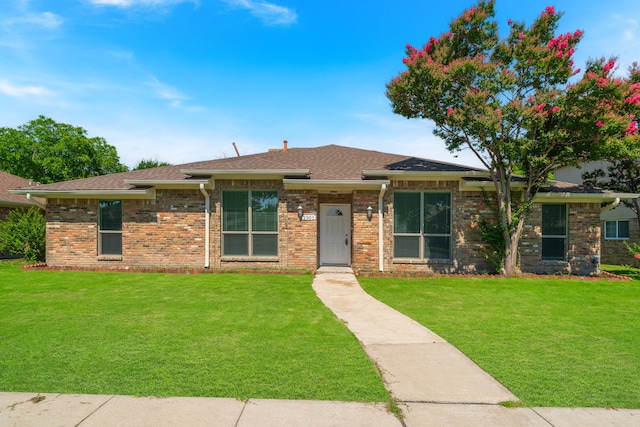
{"x":519,"y":104}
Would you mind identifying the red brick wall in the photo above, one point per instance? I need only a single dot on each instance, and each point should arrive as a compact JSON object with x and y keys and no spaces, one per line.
{"x":169,"y":232}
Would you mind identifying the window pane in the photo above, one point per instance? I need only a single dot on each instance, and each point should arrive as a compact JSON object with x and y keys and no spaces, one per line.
{"x":264,"y":211}
{"x":406,"y":247}
{"x":437,"y":247}
{"x":110,"y":215}
{"x":437,"y":213}
{"x":235,"y":207}
{"x":610,"y":230}
{"x":236,"y":244}
{"x":406,"y":212}
{"x":111,"y":244}
{"x":553,"y":248}
{"x":623,"y":229}
{"x":554,"y":220}
{"x":265,"y":244}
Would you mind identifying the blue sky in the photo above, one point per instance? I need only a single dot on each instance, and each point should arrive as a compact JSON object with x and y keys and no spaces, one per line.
{"x":180,"y":80}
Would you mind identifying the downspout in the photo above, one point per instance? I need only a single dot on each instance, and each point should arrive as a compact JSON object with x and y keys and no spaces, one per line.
{"x":35,"y":202}
{"x":613,"y":205}
{"x":207,"y":227}
{"x":383,"y":188}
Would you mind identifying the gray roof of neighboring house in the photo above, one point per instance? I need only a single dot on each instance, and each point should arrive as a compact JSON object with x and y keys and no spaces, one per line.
{"x":9,"y":182}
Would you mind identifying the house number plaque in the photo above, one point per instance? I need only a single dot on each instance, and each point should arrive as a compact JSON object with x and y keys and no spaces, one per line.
{"x":308,"y":217}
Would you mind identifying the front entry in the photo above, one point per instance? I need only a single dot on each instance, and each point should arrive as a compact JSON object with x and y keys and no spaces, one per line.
{"x":335,"y":234}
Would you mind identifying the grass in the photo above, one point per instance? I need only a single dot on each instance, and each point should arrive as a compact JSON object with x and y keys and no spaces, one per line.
{"x":219,"y":335}
{"x":552,"y":342}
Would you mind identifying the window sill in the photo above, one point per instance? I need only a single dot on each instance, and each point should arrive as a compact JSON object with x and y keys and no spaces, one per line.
{"x":613,"y":239}
{"x":250,"y":259}
{"x":555,"y":262}
{"x":109,"y":257}
{"x":418,"y":261}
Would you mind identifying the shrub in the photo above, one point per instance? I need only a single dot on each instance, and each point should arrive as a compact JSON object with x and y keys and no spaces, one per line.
{"x":22,"y":234}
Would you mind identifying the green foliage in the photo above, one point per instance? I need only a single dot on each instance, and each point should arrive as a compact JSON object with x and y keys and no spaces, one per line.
{"x":552,"y":342}
{"x":23,"y":234}
{"x":492,"y":234}
{"x":149,"y":164}
{"x":212,"y":335}
{"x":513,"y":102}
{"x":45,"y":151}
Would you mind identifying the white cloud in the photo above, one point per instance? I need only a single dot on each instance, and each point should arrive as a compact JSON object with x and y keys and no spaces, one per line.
{"x":134,"y":3}
{"x":15,"y":91}
{"x":46,"y":20}
{"x":269,"y":13}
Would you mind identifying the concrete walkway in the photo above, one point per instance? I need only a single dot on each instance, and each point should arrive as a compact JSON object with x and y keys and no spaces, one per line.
{"x":434,"y":383}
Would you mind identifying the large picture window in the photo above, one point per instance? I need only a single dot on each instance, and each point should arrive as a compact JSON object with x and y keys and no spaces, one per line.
{"x":422,"y":225}
{"x":110,"y":227}
{"x":250,"y":223}
{"x":554,"y":232}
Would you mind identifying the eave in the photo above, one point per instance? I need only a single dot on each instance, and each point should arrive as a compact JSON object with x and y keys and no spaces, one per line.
{"x":334,"y":186}
{"x":247,"y":173}
{"x":136,"y":193}
{"x":422,"y":175}
{"x":169,"y":183}
{"x":561,"y":197}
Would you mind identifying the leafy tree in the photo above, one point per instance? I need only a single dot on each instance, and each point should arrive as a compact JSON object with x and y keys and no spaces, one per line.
{"x":22,"y":234}
{"x":46,"y":151}
{"x":511,"y":103}
{"x":149,"y":164}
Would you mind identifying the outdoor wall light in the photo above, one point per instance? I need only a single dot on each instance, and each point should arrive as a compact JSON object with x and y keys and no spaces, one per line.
{"x":300,"y":212}
{"x":369,"y":213}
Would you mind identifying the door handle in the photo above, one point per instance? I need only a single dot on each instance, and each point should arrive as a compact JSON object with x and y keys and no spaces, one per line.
{"x":346,"y":240}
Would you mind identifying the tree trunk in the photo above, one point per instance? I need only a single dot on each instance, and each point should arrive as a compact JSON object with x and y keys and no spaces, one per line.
{"x":512,"y":242}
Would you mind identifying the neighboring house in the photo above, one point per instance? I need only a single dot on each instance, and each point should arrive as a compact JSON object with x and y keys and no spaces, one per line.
{"x":9,"y":201}
{"x":301,"y":208}
{"x":620,"y":223}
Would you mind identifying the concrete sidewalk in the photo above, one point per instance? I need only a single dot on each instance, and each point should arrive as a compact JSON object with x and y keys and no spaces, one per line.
{"x":433,"y":382}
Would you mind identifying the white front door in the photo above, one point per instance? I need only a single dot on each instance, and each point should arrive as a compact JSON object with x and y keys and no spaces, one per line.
{"x":335,"y":234}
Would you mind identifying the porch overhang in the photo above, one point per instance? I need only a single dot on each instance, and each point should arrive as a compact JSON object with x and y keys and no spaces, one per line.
{"x":136,"y":193}
{"x":334,"y":186}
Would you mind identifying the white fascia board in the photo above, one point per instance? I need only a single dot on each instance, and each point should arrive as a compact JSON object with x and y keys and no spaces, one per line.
{"x":479,"y":185}
{"x":148,"y":193}
{"x":168,"y":183}
{"x":334,"y":185}
{"x":423,"y":176}
{"x":248,"y":173}
{"x":583,"y":198}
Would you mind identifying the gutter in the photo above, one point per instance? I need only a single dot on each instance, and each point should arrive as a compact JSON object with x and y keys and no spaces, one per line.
{"x":383,"y":188}
{"x":613,"y":205}
{"x":35,"y":202}
{"x":207,"y":225}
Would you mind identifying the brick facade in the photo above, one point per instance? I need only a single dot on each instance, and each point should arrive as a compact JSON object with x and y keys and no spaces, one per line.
{"x":169,"y":231}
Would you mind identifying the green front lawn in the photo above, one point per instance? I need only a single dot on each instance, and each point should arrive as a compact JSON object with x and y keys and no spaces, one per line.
{"x":552,"y":342}
{"x":223,"y":335}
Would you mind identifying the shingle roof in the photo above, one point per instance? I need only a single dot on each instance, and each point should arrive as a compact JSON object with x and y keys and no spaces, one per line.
{"x":9,"y":182}
{"x":330,"y":162}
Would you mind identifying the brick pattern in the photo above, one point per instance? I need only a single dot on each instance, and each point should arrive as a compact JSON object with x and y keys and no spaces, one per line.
{"x":616,"y":252}
{"x":168,"y":232}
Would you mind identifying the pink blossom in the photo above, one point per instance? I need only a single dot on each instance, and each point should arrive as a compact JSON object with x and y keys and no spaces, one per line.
{"x":637,"y":256}
{"x":554,"y":110}
{"x":449,"y":111}
{"x":635,"y":86}
{"x":550,"y":10}
{"x":510,"y":21}
{"x":521,"y":35}
{"x":599,"y":123}
{"x":540,"y":107}
{"x":609,"y":66}
{"x":633,"y":127}
{"x":577,"y":70}
{"x":635,"y":99}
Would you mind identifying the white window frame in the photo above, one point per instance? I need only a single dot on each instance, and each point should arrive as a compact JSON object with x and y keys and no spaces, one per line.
{"x":617,"y":236}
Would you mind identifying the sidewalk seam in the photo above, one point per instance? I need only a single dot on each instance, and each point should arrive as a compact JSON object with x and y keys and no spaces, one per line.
{"x":94,"y":411}
{"x":241,"y":412}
